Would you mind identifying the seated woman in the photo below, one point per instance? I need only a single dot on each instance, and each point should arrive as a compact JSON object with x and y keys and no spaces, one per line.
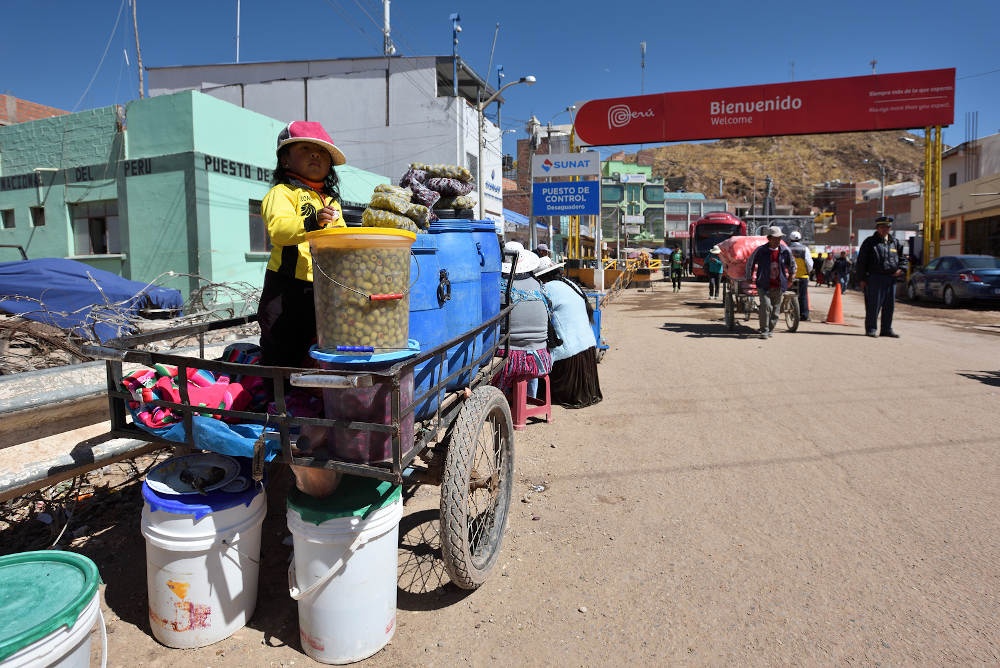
{"x":528,"y":358}
{"x":573,"y":379}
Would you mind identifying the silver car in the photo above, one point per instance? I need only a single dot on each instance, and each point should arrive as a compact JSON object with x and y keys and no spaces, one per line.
{"x":955,"y":278}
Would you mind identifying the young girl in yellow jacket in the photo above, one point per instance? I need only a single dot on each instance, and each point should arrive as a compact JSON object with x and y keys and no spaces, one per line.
{"x":305,"y":197}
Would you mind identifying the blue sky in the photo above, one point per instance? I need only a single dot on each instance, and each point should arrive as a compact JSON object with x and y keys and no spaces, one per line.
{"x":70,"y":55}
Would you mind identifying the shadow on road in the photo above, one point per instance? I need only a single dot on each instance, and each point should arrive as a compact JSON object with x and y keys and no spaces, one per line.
{"x":987,"y":377}
{"x":713,"y":330}
{"x":422,"y":581}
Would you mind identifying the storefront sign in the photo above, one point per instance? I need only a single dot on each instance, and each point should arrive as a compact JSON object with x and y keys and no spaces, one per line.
{"x":634,"y":220}
{"x":566,"y":164}
{"x":632,"y":229}
{"x":850,"y":104}
{"x":565,"y":198}
{"x":633,"y":178}
{"x":678,"y":234}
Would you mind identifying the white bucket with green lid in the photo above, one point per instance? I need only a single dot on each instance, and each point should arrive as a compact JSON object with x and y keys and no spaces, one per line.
{"x":343,"y":571}
{"x":49,"y":604}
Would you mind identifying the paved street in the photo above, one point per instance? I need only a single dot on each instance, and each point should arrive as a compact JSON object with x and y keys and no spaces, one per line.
{"x":815,"y":497}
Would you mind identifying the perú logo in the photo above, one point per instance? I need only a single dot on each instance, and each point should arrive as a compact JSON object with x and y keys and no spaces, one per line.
{"x":621,"y":115}
{"x":547,"y":165}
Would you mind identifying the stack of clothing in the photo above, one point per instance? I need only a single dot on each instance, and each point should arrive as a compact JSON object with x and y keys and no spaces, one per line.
{"x":391,"y":206}
{"x":440,"y":186}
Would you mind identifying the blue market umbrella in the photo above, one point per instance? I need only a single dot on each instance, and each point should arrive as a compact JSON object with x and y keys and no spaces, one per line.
{"x":663,"y":251}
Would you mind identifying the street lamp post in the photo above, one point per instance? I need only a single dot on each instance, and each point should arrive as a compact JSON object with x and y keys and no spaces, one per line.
{"x":479,"y":167}
{"x":881,"y":172}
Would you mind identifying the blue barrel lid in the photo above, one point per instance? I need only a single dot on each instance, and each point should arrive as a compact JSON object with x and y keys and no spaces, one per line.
{"x":450,"y":226}
{"x":200,"y":505}
{"x":42,"y":591}
{"x":483,"y":226}
{"x":413,"y":347}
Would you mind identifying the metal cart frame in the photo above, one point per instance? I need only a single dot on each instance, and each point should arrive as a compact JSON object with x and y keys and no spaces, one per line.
{"x":740,"y":297}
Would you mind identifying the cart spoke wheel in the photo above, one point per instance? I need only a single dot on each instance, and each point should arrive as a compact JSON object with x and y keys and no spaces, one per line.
{"x":477,"y":487}
{"x":790,"y":307}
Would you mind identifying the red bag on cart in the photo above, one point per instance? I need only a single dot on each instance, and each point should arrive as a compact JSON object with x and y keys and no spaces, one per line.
{"x":736,"y":252}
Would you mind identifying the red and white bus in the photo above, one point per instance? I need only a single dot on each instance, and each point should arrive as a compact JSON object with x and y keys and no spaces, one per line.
{"x":709,"y":230}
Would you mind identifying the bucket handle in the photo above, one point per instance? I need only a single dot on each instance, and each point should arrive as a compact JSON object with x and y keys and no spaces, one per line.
{"x":370,"y":297}
{"x":293,"y":588}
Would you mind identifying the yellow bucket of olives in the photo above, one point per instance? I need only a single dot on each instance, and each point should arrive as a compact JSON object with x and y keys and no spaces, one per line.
{"x":361,"y":288}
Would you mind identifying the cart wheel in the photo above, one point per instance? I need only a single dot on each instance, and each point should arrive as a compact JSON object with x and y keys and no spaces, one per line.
{"x":477,"y":487}
{"x":790,"y":306}
{"x":730,"y":309}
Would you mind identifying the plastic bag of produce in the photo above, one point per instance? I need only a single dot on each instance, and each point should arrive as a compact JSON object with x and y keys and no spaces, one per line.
{"x":424,"y":195}
{"x":448,"y":187}
{"x":398,"y":191}
{"x":444,"y":171}
{"x":413,"y":176}
{"x":736,"y":252}
{"x":389,"y":202}
{"x":460,"y":202}
{"x":378,"y":218}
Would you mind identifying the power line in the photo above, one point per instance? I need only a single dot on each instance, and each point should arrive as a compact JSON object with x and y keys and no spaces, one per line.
{"x":101,"y":62}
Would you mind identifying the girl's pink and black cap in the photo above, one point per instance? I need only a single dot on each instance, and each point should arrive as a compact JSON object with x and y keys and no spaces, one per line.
{"x":313,"y":133}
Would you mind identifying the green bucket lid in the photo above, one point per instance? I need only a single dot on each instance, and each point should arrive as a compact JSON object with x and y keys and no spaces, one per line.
{"x":41,"y":592}
{"x":355,"y":496}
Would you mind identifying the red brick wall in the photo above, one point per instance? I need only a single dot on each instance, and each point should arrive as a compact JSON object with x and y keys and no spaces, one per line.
{"x":15,"y":110}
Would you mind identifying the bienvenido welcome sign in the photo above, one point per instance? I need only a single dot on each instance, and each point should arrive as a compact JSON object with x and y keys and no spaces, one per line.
{"x":852,"y":104}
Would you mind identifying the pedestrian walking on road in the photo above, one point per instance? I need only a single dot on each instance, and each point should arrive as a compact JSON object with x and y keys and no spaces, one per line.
{"x":713,"y":267}
{"x":880,"y":262}
{"x":803,"y":265}
{"x":827,"y":268}
{"x":772,"y":268}
{"x":676,"y":268}
{"x":841,"y":270}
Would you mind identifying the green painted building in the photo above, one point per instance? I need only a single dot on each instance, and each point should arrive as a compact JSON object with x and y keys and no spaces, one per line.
{"x":628,"y":189}
{"x":170,"y":183}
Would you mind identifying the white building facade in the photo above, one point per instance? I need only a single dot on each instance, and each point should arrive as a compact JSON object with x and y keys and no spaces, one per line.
{"x":383,"y":112}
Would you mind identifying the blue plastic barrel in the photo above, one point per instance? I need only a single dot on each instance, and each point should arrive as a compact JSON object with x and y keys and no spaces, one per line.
{"x":488,"y":249}
{"x":463,"y":312}
{"x":427,"y":325}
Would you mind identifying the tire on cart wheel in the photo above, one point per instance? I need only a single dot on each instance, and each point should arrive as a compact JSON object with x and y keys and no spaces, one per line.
{"x":477,"y":487}
{"x":792,"y":314}
{"x":730,"y":310}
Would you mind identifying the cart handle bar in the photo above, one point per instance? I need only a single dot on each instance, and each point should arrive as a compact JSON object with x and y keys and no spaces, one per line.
{"x":329,"y":380}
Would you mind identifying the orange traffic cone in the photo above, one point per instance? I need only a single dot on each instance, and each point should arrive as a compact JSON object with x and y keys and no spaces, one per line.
{"x":836,"y":314}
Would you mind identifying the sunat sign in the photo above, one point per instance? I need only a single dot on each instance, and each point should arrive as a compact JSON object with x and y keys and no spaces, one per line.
{"x":566,"y":164}
{"x":850,"y":104}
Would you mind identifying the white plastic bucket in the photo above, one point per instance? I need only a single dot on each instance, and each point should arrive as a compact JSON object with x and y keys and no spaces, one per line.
{"x":343,"y":575}
{"x":67,"y":645}
{"x":202,"y":563}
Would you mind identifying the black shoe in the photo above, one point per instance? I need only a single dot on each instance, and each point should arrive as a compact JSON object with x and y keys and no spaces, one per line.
{"x":871,"y":334}
{"x":891,"y":334}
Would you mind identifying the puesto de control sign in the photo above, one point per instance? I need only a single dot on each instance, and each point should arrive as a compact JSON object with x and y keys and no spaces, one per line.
{"x":566,"y":198}
{"x":852,"y":104}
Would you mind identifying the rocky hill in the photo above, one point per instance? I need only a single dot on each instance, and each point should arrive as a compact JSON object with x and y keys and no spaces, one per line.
{"x":796,"y":163}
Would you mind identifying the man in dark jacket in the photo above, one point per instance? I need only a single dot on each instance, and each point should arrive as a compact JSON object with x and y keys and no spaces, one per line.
{"x":775,"y":270}
{"x":880,"y":261}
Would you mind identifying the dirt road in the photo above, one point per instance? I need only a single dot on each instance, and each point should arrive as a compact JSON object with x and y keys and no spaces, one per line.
{"x":817,"y":497}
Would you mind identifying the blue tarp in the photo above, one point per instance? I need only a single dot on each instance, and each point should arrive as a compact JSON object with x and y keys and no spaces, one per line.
{"x":520,"y":219}
{"x":663,"y":250}
{"x":60,"y":293}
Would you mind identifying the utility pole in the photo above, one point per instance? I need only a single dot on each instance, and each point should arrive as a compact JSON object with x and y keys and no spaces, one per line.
{"x":873,"y":62}
{"x":138,"y":53}
{"x":388,"y":48}
{"x":499,"y":84}
{"x":642,"y":80}
{"x":455,"y":29}
{"x":237,"y":31}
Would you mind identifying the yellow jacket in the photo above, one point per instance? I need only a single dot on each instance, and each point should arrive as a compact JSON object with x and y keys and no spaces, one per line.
{"x":289,"y":212}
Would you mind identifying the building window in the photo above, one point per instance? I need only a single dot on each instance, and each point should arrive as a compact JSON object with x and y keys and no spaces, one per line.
{"x":473,"y":162}
{"x":37,"y":216}
{"x":653,"y":194}
{"x":260,"y":241}
{"x":952,"y":230}
{"x":953,"y":179}
{"x":96,"y":229}
{"x":8,"y":219}
{"x":612,"y":194}
{"x":654,"y":221}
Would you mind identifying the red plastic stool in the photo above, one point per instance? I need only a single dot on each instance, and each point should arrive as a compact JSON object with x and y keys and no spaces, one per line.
{"x":522,"y":407}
